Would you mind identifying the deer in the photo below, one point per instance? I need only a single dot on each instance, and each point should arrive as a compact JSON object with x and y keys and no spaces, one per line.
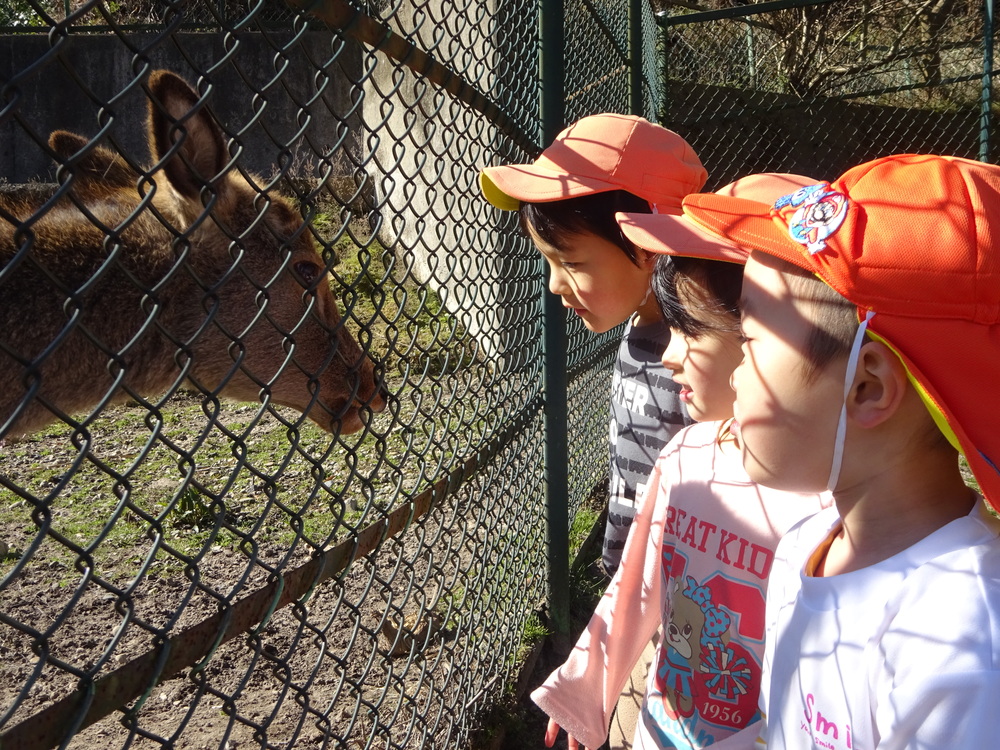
{"x":127,"y":282}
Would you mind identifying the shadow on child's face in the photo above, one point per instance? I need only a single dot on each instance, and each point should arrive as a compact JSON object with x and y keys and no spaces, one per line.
{"x":787,"y":417}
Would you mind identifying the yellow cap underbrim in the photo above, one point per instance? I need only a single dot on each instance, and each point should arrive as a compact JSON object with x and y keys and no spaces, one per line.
{"x":495,"y":195}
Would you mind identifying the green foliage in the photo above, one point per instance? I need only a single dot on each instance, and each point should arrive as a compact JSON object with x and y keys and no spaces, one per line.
{"x":19,"y":13}
{"x":191,"y":511}
{"x":583,"y":523}
{"x":410,"y":329}
{"x":532,"y":632}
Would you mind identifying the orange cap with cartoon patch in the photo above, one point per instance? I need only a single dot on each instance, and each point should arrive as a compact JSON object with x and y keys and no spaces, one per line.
{"x":915,"y":239}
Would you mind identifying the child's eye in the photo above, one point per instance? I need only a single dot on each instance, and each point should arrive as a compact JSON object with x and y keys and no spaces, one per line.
{"x":569,"y":266}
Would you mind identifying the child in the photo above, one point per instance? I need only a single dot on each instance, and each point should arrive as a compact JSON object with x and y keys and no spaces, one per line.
{"x":883,"y":612}
{"x":567,"y":199}
{"x":701,"y":546}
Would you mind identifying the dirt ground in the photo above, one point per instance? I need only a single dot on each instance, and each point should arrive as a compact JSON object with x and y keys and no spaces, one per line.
{"x":319,"y":675}
{"x":323,"y":674}
{"x":271,"y":689}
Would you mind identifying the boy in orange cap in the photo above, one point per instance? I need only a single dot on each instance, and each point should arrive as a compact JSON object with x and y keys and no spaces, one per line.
{"x":871,"y":318}
{"x":567,"y":199}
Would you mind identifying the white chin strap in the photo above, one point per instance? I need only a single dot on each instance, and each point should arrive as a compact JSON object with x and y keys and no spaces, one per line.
{"x":852,"y":365}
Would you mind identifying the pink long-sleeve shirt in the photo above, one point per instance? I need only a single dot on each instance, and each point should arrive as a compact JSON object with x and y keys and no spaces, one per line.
{"x":696,"y":562}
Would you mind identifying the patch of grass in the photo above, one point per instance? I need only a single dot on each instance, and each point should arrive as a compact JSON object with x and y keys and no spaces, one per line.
{"x":970,"y":480}
{"x":532,"y":632}
{"x":584,"y":521}
{"x":405,"y":324}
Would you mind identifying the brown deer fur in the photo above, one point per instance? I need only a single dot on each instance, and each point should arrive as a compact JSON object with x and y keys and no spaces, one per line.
{"x":130,"y":283}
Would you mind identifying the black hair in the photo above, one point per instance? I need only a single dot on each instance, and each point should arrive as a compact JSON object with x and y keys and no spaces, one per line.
{"x":834,"y":318}
{"x":714,"y":286}
{"x":557,"y":222}
{"x":834,"y":325}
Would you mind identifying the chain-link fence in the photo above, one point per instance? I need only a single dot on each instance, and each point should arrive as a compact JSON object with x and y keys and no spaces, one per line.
{"x":271,"y":393}
{"x":275,"y":399}
{"x":817,"y":87}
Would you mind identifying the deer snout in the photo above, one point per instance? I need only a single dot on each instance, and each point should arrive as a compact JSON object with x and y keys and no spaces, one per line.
{"x":364,"y":393}
{"x":380,"y":396}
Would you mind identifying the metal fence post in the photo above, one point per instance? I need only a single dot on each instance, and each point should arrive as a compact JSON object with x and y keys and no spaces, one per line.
{"x":552,"y":107}
{"x":985,"y":118}
{"x":635,"y":50}
{"x":664,"y":66}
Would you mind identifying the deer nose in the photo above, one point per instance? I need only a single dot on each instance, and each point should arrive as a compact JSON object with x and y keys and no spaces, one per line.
{"x":381,"y":398}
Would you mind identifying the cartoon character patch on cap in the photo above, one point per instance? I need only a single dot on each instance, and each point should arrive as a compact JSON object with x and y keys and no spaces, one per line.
{"x":800,"y":196}
{"x":820,"y":213}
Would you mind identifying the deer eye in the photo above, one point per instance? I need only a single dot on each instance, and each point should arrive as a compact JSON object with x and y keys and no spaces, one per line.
{"x":308,"y":272}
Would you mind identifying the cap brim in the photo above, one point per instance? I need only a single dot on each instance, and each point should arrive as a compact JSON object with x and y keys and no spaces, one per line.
{"x":508,"y":186}
{"x":677,"y":235}
{"x":745,"y":223}
{"x":967,"y":402}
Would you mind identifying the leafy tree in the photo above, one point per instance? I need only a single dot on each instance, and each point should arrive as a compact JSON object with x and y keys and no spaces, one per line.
{"x":820,"y":48}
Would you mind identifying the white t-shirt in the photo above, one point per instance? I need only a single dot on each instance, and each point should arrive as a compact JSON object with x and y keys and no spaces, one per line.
{"x":901,"y":654}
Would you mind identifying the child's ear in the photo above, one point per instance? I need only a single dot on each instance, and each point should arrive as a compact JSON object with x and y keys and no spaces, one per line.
{"x":879,"y":385}
{"x":647,"y":260}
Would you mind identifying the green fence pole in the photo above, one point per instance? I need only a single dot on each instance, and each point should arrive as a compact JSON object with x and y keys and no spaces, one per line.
{"x":664,"y":71}
{"x":635,"y":56}
{"x":986,"y":112}
{"x":552,"y":106}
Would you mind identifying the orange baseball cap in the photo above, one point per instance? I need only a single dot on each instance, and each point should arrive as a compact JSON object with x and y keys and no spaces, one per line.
{"x":679,"y":235}
{"x":597,"y":154}
{"x":915,"y":239}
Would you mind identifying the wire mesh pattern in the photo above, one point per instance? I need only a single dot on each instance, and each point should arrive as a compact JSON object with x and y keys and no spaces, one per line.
{"x":818,"y":88}
{"x":272,"y":461}
{"x":271,"y":401}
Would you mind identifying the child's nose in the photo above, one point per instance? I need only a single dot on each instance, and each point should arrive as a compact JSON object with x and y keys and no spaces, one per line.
{"x":669,"y":358}
{"x":557,"y":282}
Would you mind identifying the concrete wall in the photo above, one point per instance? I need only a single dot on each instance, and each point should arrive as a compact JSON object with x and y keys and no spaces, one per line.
{"x":428,"y":151}
{"x":87,"y":84}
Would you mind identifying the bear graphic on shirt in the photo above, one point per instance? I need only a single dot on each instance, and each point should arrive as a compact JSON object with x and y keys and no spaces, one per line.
{"x":696,"y":631}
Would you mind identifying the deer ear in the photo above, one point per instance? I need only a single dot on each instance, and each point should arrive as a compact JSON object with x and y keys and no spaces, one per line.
{"x":92,"y":163}
{"x":66,"y":144}
{"x":179,"y":120}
